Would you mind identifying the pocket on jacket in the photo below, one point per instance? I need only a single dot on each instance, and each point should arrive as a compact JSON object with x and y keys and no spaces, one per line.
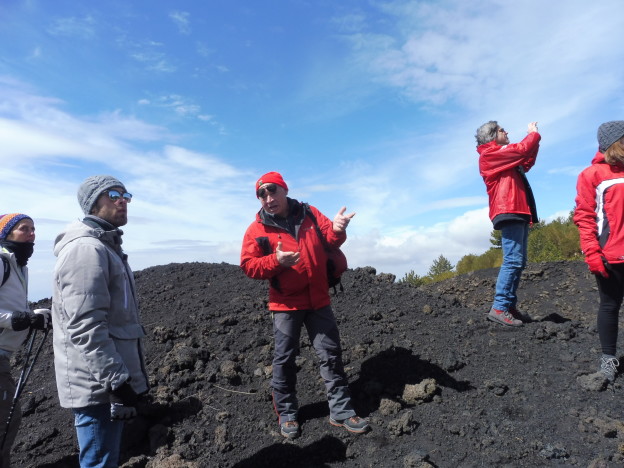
{"x":130,"y":331}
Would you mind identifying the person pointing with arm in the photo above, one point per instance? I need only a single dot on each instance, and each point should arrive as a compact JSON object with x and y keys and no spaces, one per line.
{"x":283,"y":246}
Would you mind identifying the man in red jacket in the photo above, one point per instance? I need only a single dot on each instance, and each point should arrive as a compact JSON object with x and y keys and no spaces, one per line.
{"x":512,"y":208}
{"x":283,"y":246}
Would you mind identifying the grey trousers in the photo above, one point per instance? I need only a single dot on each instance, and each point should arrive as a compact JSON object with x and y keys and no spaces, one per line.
{"x":7,"y":391}
{"x":323,"y":332}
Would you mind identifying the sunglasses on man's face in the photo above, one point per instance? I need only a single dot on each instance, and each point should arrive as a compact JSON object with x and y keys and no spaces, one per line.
{"x":270,"y":188}
{"x":116,"y":195}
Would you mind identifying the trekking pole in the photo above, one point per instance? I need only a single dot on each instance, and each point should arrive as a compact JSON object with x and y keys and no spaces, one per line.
{"x":21,"y":383}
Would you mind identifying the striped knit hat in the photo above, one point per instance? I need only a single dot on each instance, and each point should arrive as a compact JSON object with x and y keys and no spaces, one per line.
{"x":9,"y":221}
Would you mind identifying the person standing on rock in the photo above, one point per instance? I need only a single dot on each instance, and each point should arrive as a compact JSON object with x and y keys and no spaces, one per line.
{"x":283,"y":247}
{"x":599,"y":215}
{"x":98,"y":355}
{"x":17,"y":241}
{"x":512,"y":209}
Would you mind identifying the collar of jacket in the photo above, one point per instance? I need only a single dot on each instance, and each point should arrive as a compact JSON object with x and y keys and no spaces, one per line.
{"x":106,"y":232}
{"x":296,"y":213}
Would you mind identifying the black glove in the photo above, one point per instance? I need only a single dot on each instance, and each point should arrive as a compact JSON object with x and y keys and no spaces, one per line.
{"x":47,"y":317}
{"x":123,"y":402}
{"x":26,"y":319}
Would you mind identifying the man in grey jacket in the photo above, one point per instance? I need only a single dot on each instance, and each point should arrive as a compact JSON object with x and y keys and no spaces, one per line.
{"x":98,"y":355}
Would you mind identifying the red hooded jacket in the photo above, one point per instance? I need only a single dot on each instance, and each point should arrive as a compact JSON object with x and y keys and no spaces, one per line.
{"x":304,"y":285}
{"x":498,"y":165}
{"x":599,"y":212}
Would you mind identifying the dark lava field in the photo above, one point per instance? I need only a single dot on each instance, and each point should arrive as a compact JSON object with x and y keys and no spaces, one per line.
{"x":440,"y":385}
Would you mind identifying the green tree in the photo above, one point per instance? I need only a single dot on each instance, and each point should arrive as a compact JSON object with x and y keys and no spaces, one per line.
{"x":439,"y":266}
{"x":496,"y":239}
{"x":412,"y":278}
{"x":492,"y":258}
{"x":558,"y":240}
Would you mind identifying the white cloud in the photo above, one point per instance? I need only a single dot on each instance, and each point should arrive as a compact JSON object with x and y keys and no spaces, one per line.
{"x":187,"y":206}
{"x":417,"y":192}
{"x":80,"y":28}
{"x":536,"y":58}
{"x":182,"y":21}
{"x":401,"y":250}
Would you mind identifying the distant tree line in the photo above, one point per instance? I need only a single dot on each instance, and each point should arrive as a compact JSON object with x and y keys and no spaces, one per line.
{"x":557,"y":240}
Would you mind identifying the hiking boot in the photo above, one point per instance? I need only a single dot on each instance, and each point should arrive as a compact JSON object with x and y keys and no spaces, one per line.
{"x":290,"y":429}
{"x":608,"y":366}
{"x":504,"y":318}
{"x":515,"y":313}
{"x":353,"y":424}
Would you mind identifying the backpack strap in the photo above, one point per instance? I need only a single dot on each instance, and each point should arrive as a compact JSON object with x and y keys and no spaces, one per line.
{"x":6,"y":267}
{"x":318,"y":229}
{"x":324,"y":242}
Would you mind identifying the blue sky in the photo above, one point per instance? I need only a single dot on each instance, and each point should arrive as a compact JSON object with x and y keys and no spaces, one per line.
{"x":368,"y":104}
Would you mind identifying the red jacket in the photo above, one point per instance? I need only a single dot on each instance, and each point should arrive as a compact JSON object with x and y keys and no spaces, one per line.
{"x":599,"y":212}
{"x":300,"y":287}
{"x":503,"y":181}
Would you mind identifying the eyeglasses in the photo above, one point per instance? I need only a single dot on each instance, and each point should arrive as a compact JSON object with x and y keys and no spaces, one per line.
{"x":502,"y":130}
{"x":115,"y":196}
{"x":262,"y":192}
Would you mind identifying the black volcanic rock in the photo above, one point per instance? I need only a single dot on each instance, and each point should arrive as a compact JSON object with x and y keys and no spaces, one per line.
{"x":442,"y":387}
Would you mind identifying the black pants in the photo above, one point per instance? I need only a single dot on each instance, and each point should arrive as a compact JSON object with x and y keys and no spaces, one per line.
{"x":611,"y":292}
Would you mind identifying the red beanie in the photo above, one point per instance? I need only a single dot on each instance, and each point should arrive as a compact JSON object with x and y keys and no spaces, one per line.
{"x":271,"y":178}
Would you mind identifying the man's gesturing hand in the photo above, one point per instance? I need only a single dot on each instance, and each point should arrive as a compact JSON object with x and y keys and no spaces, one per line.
{"x":341,"y":220}
{"x":286,"y":259}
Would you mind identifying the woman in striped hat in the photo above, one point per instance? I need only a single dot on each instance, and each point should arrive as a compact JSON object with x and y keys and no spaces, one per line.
{"x":17,"y":240}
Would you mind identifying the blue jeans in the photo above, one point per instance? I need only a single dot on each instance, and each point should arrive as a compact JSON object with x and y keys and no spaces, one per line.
{"x":323,"y":332}
{"x":515,"y":239}
{"x":99,"y":438}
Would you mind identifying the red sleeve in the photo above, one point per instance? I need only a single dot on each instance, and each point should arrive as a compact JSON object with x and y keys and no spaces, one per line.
{"x":335,"y":239}
{"x":585,"y":212}
{"x":502,"y":158}
{"x":254,"y":262}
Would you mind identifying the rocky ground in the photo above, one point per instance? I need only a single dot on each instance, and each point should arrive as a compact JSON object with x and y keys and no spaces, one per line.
{"x":442,"y":386}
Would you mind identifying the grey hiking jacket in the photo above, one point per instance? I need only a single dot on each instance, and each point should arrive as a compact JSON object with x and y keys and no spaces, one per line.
{"x":13,"y":298}
{"x":95,"y":315}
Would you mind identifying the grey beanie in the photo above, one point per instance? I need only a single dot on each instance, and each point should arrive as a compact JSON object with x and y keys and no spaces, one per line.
{"x":92,"y":187}
{"x":609,"y":133}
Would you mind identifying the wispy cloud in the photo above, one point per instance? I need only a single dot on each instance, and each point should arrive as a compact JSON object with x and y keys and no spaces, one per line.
{"x":154,"y":61}
{"x":179,"y":194}
{"x":184,"y":108}
{"x":79,"y":28}
{"x":182,"y":20}
{"x":397,"y":89}
{"x":479,"y":54}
